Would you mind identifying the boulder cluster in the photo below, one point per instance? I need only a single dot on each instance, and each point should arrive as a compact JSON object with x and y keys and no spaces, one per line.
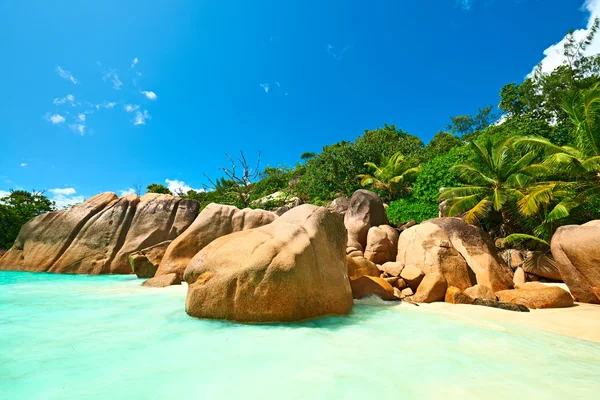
{"x":257,"y":266}
{"x":442,"y":259}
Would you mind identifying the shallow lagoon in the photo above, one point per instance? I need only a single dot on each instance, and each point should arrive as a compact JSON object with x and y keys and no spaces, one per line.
{"x":99,"y":337}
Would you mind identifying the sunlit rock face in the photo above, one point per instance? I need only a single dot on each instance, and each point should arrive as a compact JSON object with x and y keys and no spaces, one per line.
{"x":214,"y":221}
{"x":290,"y":270}
{"x":576,"y":249}
{"x":97,"y":236}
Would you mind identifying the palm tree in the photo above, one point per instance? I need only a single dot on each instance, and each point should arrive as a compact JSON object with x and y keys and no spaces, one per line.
{"x":577,"y":167}
{"x":496,"y":177}
{"x":394,"y":175}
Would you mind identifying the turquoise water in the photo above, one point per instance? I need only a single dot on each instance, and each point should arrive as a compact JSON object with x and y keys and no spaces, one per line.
{"x":106,"y":337}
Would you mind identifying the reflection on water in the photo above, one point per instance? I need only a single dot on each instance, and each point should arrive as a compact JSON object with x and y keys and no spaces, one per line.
{"x":72,"y":337}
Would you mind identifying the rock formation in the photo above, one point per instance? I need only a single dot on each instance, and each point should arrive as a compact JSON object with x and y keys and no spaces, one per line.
{"x":366,"y":286}
{"x":214,"y":221}
{"x":290,"y":270}
{"x":382,"y":244}
{"x":360,"y":266}
{"x":428,"y":247}
{"x":536,"y":295}
{"x":364,"y":211}
{"x":144,"y":263}
{"x":576,"y":249}
{"x":98,"y":235}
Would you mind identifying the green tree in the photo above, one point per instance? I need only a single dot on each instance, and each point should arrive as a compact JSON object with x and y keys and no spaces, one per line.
{"x":441,"y":144}
{"x":495,"y":177}
{"x":158,"y":188}
{"x":16,"y":209}
{"x":422,"y":202}
{"x":393,"y":176}
{"x":576,"y":168}
{"x":333,"y":172}
{"x":469,"y":124}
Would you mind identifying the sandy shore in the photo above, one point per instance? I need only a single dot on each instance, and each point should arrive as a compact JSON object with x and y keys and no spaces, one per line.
{"x":581,"y":321}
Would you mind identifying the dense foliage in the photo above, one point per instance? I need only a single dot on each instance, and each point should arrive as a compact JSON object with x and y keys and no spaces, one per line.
{"x":16,"y":209}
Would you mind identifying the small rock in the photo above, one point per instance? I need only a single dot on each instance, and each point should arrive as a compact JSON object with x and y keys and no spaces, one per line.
{"x":401,"y":284}
{"x":432,"y":288}
{"x":360,"y":266}
{"x":480,"y":292}
{"x":393,"y":268}
{"x":141,"y":266}
{"x":455,"y":296}
{"x":365,"y":286}
{"x":413,"y":276}
{"x":501,"y":305}
{"x":163,"y":281}
{"x":391,"y":280}
{"x":519,"y":277}
{"x":398,"y":293}
{"x":407,"y":225}
{"x":354,"y":252}
{"x":407,"y":292}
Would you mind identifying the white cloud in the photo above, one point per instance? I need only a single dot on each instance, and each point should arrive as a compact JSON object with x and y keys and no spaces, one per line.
{"x":126,"y":192}
{"x":177,"y":186}
{"x":114,"y":78}
{"x":4,"y":193}
{"x":553,"y":55}
{"x":131,"y":108}
{"x":56,"y":118}
{"x":134,"y":62}
{"x":111,"y":104}
{"x":265,"y":87}
{"x":141,"y":117}
{"x":63,"y":192}
{"x":79,"y":128}
{"x":68,"y":98}
{"x":23,"y":165}
{"x":81,"y":117}
{"x":65,"y":197}
{"x":278,"y":84}
{"x":66,"y":75}
{"x":150,"y":95}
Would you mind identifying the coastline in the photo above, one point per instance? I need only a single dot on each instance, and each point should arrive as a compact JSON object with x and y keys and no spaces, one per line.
{"x":581,"y":321}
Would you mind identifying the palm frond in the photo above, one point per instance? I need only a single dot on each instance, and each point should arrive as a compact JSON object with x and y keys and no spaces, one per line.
{"x":459,"y":205}
{"x":562,"y":209}
{"x":462,"y":191}
{"x":472,"y":174}
{"x":478,"y":211}
{"x":517,"y":238}
{"x":542,"y":194}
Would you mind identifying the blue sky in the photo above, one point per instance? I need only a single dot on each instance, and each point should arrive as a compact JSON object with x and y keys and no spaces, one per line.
{"x":102,"y":95}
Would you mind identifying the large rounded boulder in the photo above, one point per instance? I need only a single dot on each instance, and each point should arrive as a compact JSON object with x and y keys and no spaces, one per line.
{"x":479,"y":252}
{"x":428,"y":247}
{"x":214,"y":221}
{"x":290,"y":270}
{"x":382,"y":244}
{"x":364,"y":211}
{"x":576,"y":249}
